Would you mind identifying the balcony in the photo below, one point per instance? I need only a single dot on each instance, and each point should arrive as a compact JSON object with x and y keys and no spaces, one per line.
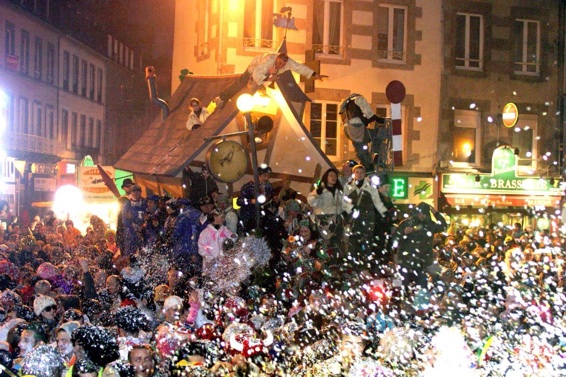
{"x":31,"y":144}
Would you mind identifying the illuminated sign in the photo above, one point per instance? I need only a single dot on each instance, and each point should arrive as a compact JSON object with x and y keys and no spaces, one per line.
{"x":510,"y":115}
{"x":399,"y":188}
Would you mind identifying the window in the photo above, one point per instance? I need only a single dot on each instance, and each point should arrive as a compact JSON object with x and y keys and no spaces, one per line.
{"x":50,"y":130}
{"x":10,"y":42}
{"x":99,"y":86}
{"x":324,"y":126}
{"x":24,"y":52}
{"x":98,"y":135}
{"x":391,"y":33}
{"x":92,"y":81}
{"x":527,"y":47}
{"x":37,"y":119}
{"x":23,"y":106}
{"x":75,"y":74}
{"x":84,"y":78}
{"x":523,"y":137}
{"x":38,"y":59}
{"x":82,"y":132}
{"x":258,"y":23}
{"x":90,"y":141}
{"x":7,"y":107}
{"x":469,"y":41}
{"x":203,"y":34}
{"x":63,"y":135}
{"x":74,"y":129}
{"x":328,"y":27}
{"x":466,"y":138}
{"x":50,"y":62}
{"x":66,"y":69}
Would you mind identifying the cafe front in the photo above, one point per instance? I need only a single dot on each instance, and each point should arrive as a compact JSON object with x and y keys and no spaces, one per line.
{"x":502,"y":196}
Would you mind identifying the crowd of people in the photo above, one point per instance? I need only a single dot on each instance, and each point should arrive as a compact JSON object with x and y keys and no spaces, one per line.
{"x":341,"y":283}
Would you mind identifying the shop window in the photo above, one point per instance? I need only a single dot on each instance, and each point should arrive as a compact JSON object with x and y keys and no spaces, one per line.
{"x":328,"y":27}
{"x":469,"y":41}
{"x":258,"y":23}
{"x":527,"y":47}
{"x":466,"y":138}
{"x":392,"y":33}
{"x":324,"y":126}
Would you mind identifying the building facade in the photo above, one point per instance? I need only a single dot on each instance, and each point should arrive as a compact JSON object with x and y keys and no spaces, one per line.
{"x":496,"y":53}
{"x":361,"y":45}
{"x":461,"y":62}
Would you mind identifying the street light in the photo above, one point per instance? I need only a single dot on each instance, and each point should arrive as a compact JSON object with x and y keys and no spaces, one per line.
{"x":245,"y":104}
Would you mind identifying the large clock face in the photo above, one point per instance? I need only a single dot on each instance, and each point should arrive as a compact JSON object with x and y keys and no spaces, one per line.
{"x":227,"y":161}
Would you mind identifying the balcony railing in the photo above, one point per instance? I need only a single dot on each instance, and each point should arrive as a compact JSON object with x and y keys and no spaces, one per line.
{"x":31,"y":143}
{"x":328,"y":50}
{"x":258,"y":43}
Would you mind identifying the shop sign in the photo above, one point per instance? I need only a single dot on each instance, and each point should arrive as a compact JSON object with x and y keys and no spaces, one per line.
{"x":399,"y":188}
{"x":42,"y":184}
{"x":91,"y":183}
{"x":502,"y":180}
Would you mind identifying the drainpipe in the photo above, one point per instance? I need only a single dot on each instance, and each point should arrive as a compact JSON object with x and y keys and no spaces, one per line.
{"x":150,"y":77}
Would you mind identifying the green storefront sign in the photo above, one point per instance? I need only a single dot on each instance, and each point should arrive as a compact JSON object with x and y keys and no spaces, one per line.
{"x":502,"y":180}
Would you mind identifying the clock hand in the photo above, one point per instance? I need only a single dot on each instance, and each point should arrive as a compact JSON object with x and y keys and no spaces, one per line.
{"x":227,"y":157}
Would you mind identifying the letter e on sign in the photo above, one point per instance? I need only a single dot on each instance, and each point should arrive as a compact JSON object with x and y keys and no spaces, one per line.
{"x":510,"y":115}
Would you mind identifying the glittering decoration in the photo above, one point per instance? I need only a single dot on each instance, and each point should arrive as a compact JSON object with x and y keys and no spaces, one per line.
{"x":238,"y":263}
{"x":43,"y":361}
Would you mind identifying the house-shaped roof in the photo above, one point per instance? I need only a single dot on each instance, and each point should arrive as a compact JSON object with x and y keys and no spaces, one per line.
{"x":166,"y":147}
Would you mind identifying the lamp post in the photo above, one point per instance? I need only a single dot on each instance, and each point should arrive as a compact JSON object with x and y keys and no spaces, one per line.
{"x":245,"y":104}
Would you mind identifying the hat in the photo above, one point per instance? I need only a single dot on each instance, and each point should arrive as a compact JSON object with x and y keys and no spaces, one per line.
{"x":69,"y":327}
{"x":204,"y":201}
{"x":292,"y":205}
{"x":153,"y":198}
{"x":184,"y":202}
{"x":422,"y":207}
{"x":351,"y":163}
{"x":135,"y":188}
{"x":171,"y":302}
{"x":127,"y":182}
{"x":223,"y":198}
{"x":262,"y":169}
{"x":358,"y":166}
{"x":41,"y":302}
{"x":161,"y":292}
{"x":384,"y":180}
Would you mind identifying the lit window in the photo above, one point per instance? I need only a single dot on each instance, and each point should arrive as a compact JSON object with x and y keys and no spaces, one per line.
{"x":466,"y":137}
{"x":258,"y":23}
{"x":391,"y":33}
{"x":324,"y":126}
{"x":328,"y":27}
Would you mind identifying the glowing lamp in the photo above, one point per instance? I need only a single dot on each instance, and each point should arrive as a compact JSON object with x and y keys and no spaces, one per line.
{"x":245,"y":103}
